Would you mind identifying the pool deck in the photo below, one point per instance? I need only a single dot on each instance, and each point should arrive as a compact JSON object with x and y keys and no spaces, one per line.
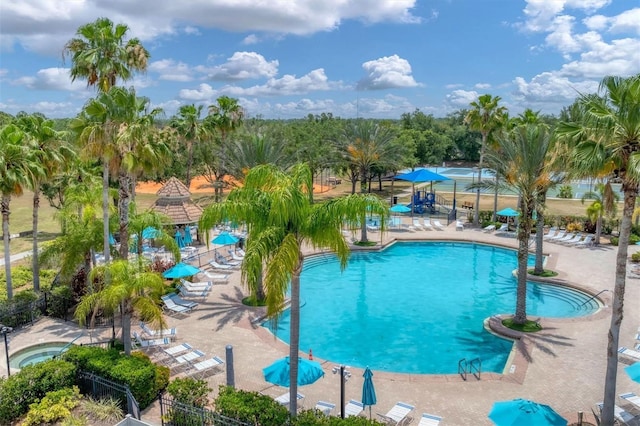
{"x":563,"y":365}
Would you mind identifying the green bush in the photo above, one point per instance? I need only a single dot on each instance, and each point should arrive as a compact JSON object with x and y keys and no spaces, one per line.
{"x":144,"y":378}
{"x":614,"y":241}
{"x":31,"y":384}
{"x":315,"y":418}
{"x":55,"y":406}
{"x":565,"y":191}
{"x":22,"y":278}
{"x":189,"y":391}
{"x":635,"y":257}
{"x":250,"y":407}
{"x":58,"y":302}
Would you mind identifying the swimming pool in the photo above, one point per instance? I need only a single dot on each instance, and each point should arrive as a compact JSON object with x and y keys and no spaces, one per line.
{"x":36,"y":353}
{"x":418,"y":307}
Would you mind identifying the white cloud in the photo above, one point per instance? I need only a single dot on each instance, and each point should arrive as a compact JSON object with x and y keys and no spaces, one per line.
{"x":386,"y":73}
{"x":51,"y":79}
{"x":313,"y":81}
{"x":242,"y":66}
{"x":620,"y":57}
{"x":540,"y":14}
{"x":596,"y":22}
{"x":627,"y":21}
{"x":483,"y":86}
{"x":204,"y":92}
{"x":551,"y":88}
{"x":461,"y":98}
{"x":171,"y":70}
{"x":251,"y":39}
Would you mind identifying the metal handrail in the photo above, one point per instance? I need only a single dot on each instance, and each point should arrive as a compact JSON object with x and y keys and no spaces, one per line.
{"x":593,"y":297}
{"x":476,"y":364}
{"x":462,"y":368}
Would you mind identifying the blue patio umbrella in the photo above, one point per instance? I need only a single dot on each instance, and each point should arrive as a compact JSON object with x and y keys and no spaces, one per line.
{"x":225,"y":239}
{"x":179,"y":239}
{"x":633,"y":371}
{"x":368,"y":391}
{"x":400,"y":208}
{"x":508,"y":212}
{"x":150,"y":232}
{"x":187,"y":235}
{"x":420,"y":175}
{"x":522,"y":412}
{"x":278,"y":372}
{"x":180,"y":270}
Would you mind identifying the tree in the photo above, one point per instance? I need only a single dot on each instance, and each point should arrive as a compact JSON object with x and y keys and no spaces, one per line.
{"x":605,"y":202}
{"x":101,"y":55}
{"x":282,"y":219}
{"x":49,"y":152}
{"x":191,"y":129}
{"x":125,"y":287}
{"x":14,"y":176}
{"x":609,"y":133}
{"x":485,"y":117}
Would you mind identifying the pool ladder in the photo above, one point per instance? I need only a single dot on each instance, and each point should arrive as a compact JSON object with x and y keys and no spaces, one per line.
{"x":68,"y":345}
{"x":473,"y":366}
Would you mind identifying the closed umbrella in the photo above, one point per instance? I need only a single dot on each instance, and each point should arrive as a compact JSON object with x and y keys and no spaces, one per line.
{"x":180,"y":270}
{"x":522,"y":412}
{"x":179,"y":239}
{"x":278,"y":372}
{"x":368,"y":391}
{"x":187,"y":235}
{"x":633,"y":371}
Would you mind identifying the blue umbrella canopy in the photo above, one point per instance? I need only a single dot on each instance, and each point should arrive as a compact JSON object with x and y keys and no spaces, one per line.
{"x":633,"y":371}
{"x":278,"y":372}
{"x":508,"y":212}
{"x":150,"y":232}
{"x":225,"y":239}
{"x":422,"y":175}
{"x":180,"y":270}
{"x":368,"y":391}
{"x":400,"y":208}
{"x":522,"y":412}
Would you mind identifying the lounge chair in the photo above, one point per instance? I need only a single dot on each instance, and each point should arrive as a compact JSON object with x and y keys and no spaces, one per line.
{"x":551,"y":233}
{"x":141,"y":343}
{"x":241,"y":252}
{"x":184,"y":292}
{"x":216,"y":265}
{"x":588,"y":241}
{"x":398,"y":415}
{"x":188,"y":357}
{"x":173,"y":307}
{"x":353,"y":408}
{"x":560,"y":235}
{"x":199,"y":286}
{"x":635,"y":355}
{"x":216,"y":277}
{"x":631,"y":398}
{"x":180,"y":301}
{"x":503,"y":228}
{"x":284,"y":398}
{"x":372,"y":227}
{"x":438,"y":225}
{"x":176,"y":350}
{"x":426,"y":222}
{"x":224,"y":261}
{"x":417,"y":225}
{"x":234,"y":256}
{"x":621,"y":415}
{"x":325,"y":407}
{"x":569,"y":238}
{"x":429,"y":420}
{"x":459,"y":225}
{"x":171,"y":333}
{"x":203,"y":367}
{"x":489,"y":228}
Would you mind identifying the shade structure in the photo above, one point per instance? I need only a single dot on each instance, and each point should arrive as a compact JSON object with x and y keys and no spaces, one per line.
{"x":187,"y":235}
{"x":508,"y":212}
{"x":150,"y":232}
{"x":225,"y":239}
{"x":179,"y":239}
{"x":368,"y":390}
{"x":278,"y":372}
{"x":422,"y":175}
{"x":180,"y":270}
{"x":522,"y":412}
{"x":400,"y":208}
{"x":633,"y":371}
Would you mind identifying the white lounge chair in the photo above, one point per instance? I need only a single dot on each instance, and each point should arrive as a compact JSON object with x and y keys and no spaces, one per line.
{"x":560,"y":235}
{"x":325,"y":407}
{"x":174,"y":351}
{"x":353,"y":408}
{"x":631,"y":398}
{"x":205,"y":366}
{"x":489,"y":228}
{"x":572,"y":240}
{"x":284,"y":398}
{"x":551,"y":233}
{"x":216,"y":265}
{"x":188,"y":357}
{"x":503,"y":228}
{"x":171,"y":333}
{"x":180,"y":301}
{"x":234,"y":256}
{"x":426,"y":222}
{"x":184,"y":292}
{"x":588,"y":241}
{"x":173,"y":307}
{"x":399,"y":414}
{"x":438,"y":225}
{"x":141,"y":343}
{"x":635,"y":355}
{"x":224,"y":261}
{"x":201,"y":285}
{"x":429,"y":420}
{"x":621,"y":415}
{"x":417,"y":225}
{"x":459,"y":225}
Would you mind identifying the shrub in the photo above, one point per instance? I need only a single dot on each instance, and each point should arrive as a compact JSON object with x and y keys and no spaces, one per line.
{"x":633,"y":239}
{"x":614,"y":241}
{"x":574,"y":227}
{"x":635,"y":257}
{"x":189,"y":391}
{"x":59,"y":301}
{"x":250,"y":407}
{"x":315,"y":418}
{"x":565,"y":191}
{"x":56,"y":405}
{"x":32,"y":383}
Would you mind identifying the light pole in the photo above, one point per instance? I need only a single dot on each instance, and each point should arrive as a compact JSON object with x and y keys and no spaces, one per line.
{"x":345,"y":374}
{"x":4,"y":330}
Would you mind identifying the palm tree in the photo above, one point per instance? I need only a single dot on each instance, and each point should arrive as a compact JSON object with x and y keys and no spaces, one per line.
{"x":605,"y":202}
{"x":282,"y":219}
{"x":150,"y":218}
{"x":485,"y":117}
{"x":609,"y":133}
{"x":14,"y":176}
{"x":521,"y":159}
{"x":253,"y":149}
{"x":50,"y":153}
{"x":124,"y":287}
{"x":191,"y":129}
{"x":101,"y":55}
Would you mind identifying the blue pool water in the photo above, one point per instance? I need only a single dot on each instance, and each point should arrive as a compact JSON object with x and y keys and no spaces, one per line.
{"x":418,"y":307}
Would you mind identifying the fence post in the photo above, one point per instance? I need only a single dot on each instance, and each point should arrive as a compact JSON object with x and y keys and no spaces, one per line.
{"x":230,"y":373}
{"x":161,"y":408}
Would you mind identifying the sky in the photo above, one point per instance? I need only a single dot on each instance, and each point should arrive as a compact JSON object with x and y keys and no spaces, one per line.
{"x":286,"y":59}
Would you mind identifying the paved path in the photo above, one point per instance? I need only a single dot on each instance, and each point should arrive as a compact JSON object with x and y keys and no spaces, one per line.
{"x":16,"y":257}
{"x":564,"y":365}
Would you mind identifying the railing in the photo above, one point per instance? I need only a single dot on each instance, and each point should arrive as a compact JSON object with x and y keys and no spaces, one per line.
{"x":593,"y":297}
{"x":475,"y":367}
{"x":101,"y":388}
{"x":462,"y":368}
{"x":174,"y":413}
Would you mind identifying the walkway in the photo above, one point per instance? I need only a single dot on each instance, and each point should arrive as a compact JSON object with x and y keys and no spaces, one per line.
{"x":564,"y":365}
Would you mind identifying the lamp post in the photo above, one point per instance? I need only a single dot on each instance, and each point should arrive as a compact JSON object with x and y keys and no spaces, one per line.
{"x":345,"y":374}
{"x":4,"y":330}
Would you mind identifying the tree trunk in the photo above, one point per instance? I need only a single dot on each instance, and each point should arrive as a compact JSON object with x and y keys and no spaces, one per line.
{"x":495,"y":201}
{"x":617,"y":304}
{"x":105,"y":210}
{"x":596,"y":242}
{"x":4,"y":207}
{"x":476,"y":211}
{"x":539,"y":266}
{"x":189,"y":163}
{"x":123,"y":213}
{"x":294,"y":344}
{"x":524,"y":231}
{"x":35,"y":265}
{"x":126,"y":311}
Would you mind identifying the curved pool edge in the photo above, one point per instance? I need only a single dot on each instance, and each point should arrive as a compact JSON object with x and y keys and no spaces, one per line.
{"x":42,"y":344}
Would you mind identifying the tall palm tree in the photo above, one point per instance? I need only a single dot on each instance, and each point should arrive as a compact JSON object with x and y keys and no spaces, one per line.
{"x":282,"y":219}
{"x":150,"y":218}
{"x":191,"y":129}
{"x":605,"y":202}
{"x":521,"y":160}
{"x":50,"y":153}
{"x":254,"y":148}
{"x":14,"y":176}
{"x":485,"y":116}
{"x":102,"y":55}
{"x":127,"y":288}
{"x":609,"y":133}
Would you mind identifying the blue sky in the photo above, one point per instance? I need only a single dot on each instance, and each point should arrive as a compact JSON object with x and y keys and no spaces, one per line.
{"x":367,"y":58}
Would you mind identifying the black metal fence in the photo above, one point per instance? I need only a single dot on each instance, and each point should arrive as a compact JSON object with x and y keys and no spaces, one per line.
{"x":174,"y":413}
{"x":101,"y":388}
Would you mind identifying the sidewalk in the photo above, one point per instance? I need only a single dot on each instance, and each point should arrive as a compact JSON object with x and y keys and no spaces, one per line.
{"x":16,"y":257}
